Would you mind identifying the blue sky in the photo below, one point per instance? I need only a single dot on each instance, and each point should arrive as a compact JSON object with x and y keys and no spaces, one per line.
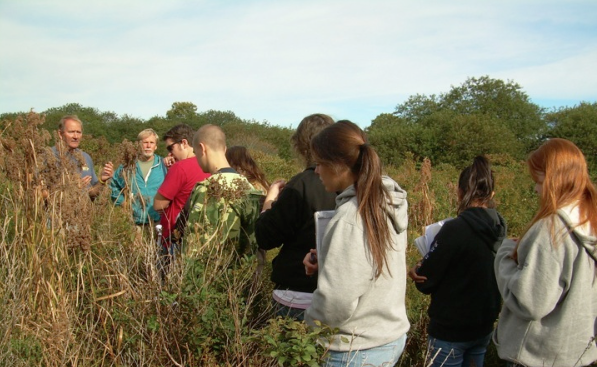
{"x":278,"y":61}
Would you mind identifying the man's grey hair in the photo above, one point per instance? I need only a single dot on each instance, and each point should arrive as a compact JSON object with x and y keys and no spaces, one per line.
{"x":145,"y":133}
{"x":68,"y":117}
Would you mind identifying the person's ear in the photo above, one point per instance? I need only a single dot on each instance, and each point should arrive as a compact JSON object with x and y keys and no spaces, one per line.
{"x":203,"y":148}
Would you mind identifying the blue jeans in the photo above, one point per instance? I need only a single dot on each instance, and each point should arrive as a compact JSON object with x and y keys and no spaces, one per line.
{"x":461,"y":354}
{"x":386,"y":355}
{"x":297,"y":314}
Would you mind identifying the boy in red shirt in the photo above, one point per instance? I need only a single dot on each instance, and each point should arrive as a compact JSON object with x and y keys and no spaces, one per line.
{"x":182,"y":176}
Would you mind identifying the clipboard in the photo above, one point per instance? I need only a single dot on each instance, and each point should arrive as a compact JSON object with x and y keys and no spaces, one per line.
{"x":322,"y":218}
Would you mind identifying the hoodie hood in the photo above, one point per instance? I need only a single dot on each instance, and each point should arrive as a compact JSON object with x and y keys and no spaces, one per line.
{"x":571,"y":216}
{"x":488,"y":224}
{"x":396,"y":206}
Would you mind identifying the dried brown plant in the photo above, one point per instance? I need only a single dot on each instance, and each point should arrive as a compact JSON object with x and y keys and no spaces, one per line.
{"x":128,"y":153}
{"x":422,"y":210}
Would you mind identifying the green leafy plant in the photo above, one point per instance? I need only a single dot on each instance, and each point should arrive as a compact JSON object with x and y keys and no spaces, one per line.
{"x":293,"y":343}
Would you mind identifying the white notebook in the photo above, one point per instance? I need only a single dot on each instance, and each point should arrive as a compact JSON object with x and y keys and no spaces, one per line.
{"x":322,"y":218}
{"x":424,"y":242}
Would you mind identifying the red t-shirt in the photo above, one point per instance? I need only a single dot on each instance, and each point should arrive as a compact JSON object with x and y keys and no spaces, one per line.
{"x":177,"y":186}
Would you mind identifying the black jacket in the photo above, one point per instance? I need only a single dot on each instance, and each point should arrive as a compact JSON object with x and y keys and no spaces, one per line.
{"x":290,"y":224}
{"x":465,"y":300}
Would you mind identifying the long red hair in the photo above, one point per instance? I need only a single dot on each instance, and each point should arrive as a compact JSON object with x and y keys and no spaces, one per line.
{"x":566,"y":181}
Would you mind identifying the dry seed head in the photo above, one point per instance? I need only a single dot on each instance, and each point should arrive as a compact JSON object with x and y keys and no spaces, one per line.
{"x":129,"y":152}
{"x":423,"y":208}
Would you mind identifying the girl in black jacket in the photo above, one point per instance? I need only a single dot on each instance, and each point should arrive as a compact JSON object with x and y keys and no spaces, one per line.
{"x":287,"y":221}
{"x":458,"y":274}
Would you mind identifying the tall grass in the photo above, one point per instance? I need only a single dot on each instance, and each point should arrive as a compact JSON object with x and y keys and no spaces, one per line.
{"x":80,"y":287}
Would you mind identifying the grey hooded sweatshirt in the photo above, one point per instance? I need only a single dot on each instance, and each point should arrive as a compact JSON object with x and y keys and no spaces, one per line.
{"x":368,"y":312}
{"x":550,"y":297}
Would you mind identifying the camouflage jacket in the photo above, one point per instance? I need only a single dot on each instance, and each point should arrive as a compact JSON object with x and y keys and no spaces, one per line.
{"x":222,"y":210}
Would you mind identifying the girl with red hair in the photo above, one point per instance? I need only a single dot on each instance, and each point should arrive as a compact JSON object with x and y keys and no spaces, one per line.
{"x":548,"y":278}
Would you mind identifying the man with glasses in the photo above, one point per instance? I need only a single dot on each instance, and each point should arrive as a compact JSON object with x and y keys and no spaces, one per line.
{"x":182,"y":176}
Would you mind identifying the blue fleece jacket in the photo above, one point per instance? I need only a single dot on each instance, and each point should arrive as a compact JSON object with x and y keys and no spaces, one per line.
{"x":141,"y":189}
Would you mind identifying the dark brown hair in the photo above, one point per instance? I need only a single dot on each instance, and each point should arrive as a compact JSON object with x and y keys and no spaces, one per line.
{"x":239,"y":158}
{"x":344,"y":144}
{"x":476,"y":185}
{"x":307,"y":129}
{"x":179,"y":132}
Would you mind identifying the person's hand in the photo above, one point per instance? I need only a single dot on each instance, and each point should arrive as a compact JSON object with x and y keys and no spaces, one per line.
{"x":310,"y":262}
{"x":85,"y":181}
{"x":412,"y":274}
{"x":275,"y":188}
{"x":107,"y":172}
{"x":169,"y":161}
{"x":273,"y":193}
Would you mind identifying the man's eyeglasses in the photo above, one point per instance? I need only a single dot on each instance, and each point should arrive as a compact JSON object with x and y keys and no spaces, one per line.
{"x":171,"y":146}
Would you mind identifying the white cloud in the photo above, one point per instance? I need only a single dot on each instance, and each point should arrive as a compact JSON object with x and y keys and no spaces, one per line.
{"x":572,"y":78}
{"x":281,"y":60}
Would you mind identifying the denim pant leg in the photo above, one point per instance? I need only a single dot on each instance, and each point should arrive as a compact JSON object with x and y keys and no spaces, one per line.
{"x":442,"y":353}
{"x":386,"y":355}
{"x":475,"y":353}
{"x":297,"y":314}
{"x":457,"y":354}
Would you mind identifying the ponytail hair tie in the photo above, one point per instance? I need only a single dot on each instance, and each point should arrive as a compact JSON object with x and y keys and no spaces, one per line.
{"x":359,"y":161}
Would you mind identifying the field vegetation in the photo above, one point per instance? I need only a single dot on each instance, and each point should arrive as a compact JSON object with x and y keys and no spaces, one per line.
{"x":80,"y":287}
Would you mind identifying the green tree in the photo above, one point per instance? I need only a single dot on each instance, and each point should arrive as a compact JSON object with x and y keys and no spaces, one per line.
{"x":220,"y":118}
{"x":418,"y":107}
{"x":393,"y":138}
{"x":579,"y":125}
{"x":472,"y":135}
{"x":503,"y":101}
{"x":481,"y":116}
{"x":182,"y":111}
